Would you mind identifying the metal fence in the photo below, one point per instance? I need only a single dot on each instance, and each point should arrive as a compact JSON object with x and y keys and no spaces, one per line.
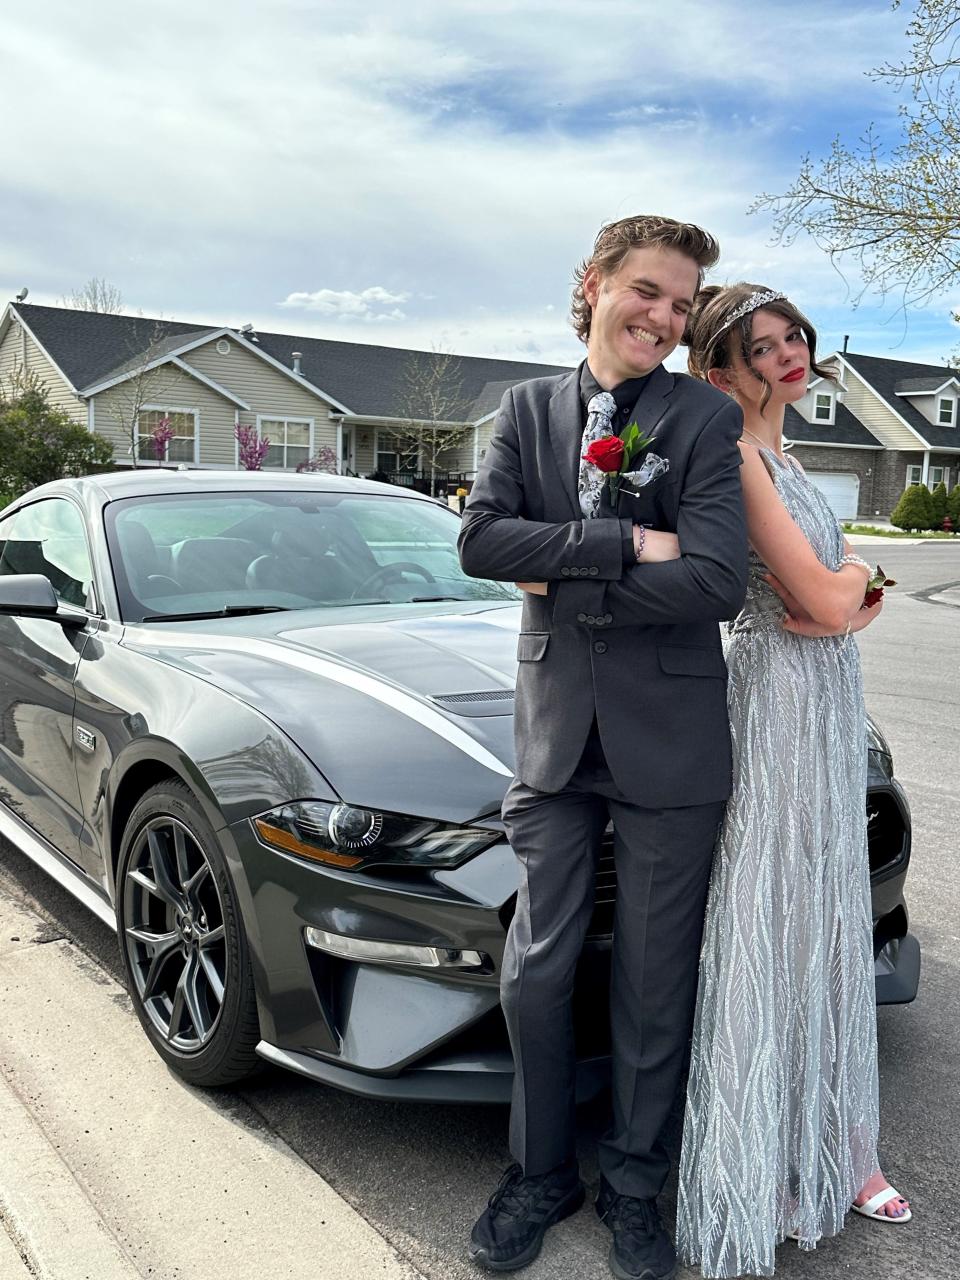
{"x":443,"y":481}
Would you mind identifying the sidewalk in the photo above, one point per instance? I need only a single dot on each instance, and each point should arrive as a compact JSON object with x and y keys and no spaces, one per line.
{"x":111,"y":1169}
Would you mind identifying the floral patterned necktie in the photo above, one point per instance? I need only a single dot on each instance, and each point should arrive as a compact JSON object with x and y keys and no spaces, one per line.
{"x":601,"y":409}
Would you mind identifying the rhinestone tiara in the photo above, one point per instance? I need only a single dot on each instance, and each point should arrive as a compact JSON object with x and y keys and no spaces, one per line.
{"x":753,"y":303}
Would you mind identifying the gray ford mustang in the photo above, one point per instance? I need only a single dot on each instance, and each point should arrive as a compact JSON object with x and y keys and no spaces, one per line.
{"x":261,"y":725}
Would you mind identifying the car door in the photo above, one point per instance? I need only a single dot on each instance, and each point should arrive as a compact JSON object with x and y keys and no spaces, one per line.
{"x":38,"y":663}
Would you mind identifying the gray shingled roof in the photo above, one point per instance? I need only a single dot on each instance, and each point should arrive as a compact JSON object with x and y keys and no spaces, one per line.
{"x":90,"y":347}
{"x":846,"y":430}
{"x":884,"y":376}
{"x":158,"y":348}
{"x":919,"y":386}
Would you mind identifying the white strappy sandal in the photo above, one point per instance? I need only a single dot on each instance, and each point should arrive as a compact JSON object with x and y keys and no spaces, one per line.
{"x":870,"y":1208}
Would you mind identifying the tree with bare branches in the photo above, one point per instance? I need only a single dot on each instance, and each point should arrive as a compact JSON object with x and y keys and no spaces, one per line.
{"x":149,"y":382}
{"x":96,"y":295}
{"x":435,"y":409}
{"x":893,"y":208}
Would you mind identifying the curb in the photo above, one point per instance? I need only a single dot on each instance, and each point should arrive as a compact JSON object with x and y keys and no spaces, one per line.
{"x":52,"y":1228}
{"x":112,"y":1169}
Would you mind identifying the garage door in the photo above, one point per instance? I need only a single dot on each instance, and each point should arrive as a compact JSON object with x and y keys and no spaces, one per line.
{"x":841,"y":490}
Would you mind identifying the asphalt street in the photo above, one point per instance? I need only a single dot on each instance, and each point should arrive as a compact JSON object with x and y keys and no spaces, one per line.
{"x":420,"y":1174}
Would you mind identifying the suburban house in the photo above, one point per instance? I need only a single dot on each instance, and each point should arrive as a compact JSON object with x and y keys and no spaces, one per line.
{"x":120,"y":375}
{"x":883,"y":424}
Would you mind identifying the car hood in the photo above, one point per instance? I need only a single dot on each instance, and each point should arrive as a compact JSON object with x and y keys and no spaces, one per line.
{"x":404,"y":709}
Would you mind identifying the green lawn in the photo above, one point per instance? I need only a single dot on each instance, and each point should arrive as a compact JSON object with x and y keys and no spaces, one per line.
{"x":895,"y":533}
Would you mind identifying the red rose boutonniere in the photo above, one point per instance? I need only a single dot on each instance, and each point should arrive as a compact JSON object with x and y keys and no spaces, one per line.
{"x":613,"y":454}
{"x":606,"y":454}
{"x":878,"y":580}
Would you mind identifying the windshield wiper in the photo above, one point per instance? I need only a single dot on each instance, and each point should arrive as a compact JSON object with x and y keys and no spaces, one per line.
{"x":228,"y":611}
{"x":436,"y":599}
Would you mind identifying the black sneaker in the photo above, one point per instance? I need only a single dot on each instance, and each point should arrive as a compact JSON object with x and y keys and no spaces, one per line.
{"x":641,"y":1249}
{"x":509,"y":1232}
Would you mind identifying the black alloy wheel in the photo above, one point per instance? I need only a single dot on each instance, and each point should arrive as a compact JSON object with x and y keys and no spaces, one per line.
{"x":182,"y":940}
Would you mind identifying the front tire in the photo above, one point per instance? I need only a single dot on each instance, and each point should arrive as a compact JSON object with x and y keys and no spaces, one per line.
{"x":182,"y":940}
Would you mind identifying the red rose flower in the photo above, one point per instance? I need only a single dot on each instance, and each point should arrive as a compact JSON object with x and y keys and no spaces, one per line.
{"x":871,"y":598}
{"x":606,"y":454}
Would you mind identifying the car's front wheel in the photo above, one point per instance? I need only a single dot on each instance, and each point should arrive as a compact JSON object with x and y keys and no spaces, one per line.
{"x":182,"y":940}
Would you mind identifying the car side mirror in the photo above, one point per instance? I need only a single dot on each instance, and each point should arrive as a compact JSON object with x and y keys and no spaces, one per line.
{"x":31,"y":595}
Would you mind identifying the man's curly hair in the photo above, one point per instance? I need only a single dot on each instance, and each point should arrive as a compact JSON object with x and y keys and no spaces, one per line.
{"x":645,"y":230}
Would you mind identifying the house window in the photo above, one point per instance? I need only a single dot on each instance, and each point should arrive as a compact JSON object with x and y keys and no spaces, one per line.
{"x":395,"y":453}
{"x":290,"y":441}
{"x":935,"y":476}
{"x":945,"y":411}
{"x":823,"y":407}
{"x":182,"y":445}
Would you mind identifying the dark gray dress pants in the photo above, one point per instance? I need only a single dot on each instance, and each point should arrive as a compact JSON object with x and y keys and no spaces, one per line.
{"x":663,"y":859}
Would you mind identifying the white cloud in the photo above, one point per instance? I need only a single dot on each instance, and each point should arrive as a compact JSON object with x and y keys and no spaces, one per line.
{"x":463,"y":155}
{"x":346,"y":305}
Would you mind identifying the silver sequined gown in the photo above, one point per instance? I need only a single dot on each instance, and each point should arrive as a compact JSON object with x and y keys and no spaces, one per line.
{"x":781,"y":1120}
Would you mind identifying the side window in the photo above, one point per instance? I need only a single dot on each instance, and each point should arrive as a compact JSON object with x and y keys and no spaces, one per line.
{"x":6,"y":528}
{"x":48,"y":538}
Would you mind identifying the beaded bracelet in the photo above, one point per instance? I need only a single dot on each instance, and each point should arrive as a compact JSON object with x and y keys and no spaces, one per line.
{"x":858,"y":561}
{"x":640,"y":543}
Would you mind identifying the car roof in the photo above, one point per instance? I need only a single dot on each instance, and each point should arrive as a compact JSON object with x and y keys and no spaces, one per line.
{"x":144,"y":482}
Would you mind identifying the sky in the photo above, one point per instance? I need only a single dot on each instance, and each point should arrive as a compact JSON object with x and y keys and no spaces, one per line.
{"x":426,"y":174}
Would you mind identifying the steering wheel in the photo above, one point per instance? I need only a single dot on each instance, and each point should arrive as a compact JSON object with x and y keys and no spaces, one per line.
{"x":390,"y":573}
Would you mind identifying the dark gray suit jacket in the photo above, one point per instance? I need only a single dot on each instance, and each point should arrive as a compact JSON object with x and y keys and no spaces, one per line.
{"x":637,"y":646}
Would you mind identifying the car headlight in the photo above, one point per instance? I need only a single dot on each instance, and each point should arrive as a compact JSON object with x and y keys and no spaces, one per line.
{"x":348,"y":837}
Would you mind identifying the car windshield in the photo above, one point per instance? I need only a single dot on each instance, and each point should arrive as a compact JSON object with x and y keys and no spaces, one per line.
{"x":226,"y":554}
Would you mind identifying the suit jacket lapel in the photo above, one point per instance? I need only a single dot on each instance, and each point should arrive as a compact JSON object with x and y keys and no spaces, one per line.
{"x":566,"y":430}
{"x":651,"y":406}
{"x":566,"y":433}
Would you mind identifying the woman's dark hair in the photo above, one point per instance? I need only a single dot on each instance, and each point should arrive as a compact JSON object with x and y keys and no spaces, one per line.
{"x":713,"y":341}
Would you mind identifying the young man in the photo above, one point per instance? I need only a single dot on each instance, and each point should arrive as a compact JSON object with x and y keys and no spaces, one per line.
{"x":620,"y":714}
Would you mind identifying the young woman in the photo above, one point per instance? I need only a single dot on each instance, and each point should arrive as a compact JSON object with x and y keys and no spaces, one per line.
{"x":781,"y":1123}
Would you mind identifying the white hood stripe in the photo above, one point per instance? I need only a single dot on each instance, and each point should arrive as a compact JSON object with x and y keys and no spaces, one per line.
{"x":358,"y":680}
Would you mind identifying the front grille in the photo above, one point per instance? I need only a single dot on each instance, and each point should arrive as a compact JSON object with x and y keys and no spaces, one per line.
{"x":886,"y":830}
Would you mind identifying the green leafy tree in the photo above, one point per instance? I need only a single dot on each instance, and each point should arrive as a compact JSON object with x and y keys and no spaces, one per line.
{"x":892,"y":206}
{"x":938,"y":506}
{"x":39,"y":442}
{"x":914,"y":510}
{"x":953,"y":507}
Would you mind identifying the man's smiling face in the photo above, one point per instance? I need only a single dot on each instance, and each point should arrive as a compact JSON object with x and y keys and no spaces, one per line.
{"x":639,"y":312}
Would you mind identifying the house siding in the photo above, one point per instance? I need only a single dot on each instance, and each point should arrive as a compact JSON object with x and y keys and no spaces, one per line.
{"x":170,"y":387}
{"x":268,"y":392}
{"x":364,"y":457}
{"x":16,"y":344}
{"x":866,"y":405}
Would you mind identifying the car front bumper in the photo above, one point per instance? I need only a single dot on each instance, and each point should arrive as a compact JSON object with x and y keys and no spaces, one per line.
{"x":402,"y":1031}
